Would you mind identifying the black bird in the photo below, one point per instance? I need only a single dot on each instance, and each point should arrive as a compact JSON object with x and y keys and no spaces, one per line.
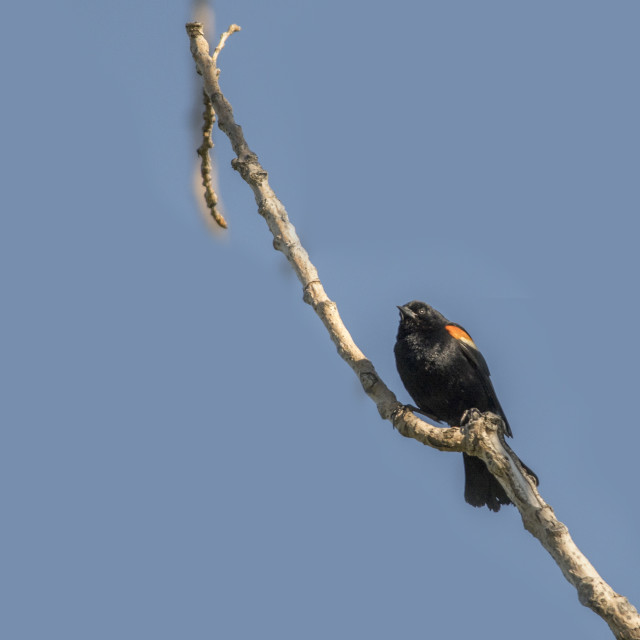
{"x":445,"y":374}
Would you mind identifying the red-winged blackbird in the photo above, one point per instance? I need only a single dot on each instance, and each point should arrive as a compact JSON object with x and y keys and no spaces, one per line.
{"x":445,"y":374}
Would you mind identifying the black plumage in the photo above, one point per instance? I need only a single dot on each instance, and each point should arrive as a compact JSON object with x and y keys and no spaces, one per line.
{"x":445,"y":374}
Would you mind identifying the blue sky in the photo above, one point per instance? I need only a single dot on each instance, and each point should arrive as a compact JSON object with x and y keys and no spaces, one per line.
{"x":184,"y":454}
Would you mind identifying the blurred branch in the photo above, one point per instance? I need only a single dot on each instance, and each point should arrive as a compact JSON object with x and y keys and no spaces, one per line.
{"x":481,"y":435}
{"x":205,"y":174}
{"x":206,"y":169}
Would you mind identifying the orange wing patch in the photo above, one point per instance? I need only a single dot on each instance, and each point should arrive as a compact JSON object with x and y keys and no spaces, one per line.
{"x":460,"y":334}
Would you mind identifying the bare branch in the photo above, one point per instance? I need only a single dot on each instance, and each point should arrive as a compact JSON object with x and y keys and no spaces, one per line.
{"x":286,"y":240}
{"x":486,"y":440}
{"x":223,"y":39}
{"x":205,"y":174}
{"x":481,"y":434}
{"x":206,"y":168}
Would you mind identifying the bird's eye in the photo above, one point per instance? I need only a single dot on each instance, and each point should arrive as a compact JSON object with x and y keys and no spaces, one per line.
{"x":422,"y":311}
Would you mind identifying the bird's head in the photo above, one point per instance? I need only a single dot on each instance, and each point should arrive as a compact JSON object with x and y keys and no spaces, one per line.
{"x":419,"y":315}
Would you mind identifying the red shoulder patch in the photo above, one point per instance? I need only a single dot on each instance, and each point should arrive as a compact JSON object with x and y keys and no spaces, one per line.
{"x":460,"y":334}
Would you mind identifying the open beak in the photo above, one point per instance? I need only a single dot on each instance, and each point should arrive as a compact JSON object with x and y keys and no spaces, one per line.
{"x":405,"y":312}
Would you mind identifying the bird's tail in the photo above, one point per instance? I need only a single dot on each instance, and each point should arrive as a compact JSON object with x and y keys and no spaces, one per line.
{"x":480,"y":486}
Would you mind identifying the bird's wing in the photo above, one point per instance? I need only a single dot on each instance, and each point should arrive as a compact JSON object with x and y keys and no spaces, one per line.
{"x":469,"y":348}
{"x":473,"y":355}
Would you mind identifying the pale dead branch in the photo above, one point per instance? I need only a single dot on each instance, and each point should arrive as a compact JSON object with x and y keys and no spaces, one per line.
{"x":480,"y":434}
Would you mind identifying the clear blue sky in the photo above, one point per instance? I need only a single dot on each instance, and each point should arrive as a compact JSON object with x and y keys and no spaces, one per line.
{"x":183,"y":453}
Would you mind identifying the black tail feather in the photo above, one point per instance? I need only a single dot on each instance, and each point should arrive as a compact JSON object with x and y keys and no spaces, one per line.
{"x":480,"y":486}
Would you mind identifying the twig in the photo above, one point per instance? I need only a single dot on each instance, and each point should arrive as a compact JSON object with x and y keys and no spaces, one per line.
{"x":481,"y":435}
{"x":205,"y":173}
{"x":206,"y":168}
{"x":223,"y":39}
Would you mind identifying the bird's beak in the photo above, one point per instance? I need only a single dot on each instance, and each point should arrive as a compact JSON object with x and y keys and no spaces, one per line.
{"x":405,"y":312}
